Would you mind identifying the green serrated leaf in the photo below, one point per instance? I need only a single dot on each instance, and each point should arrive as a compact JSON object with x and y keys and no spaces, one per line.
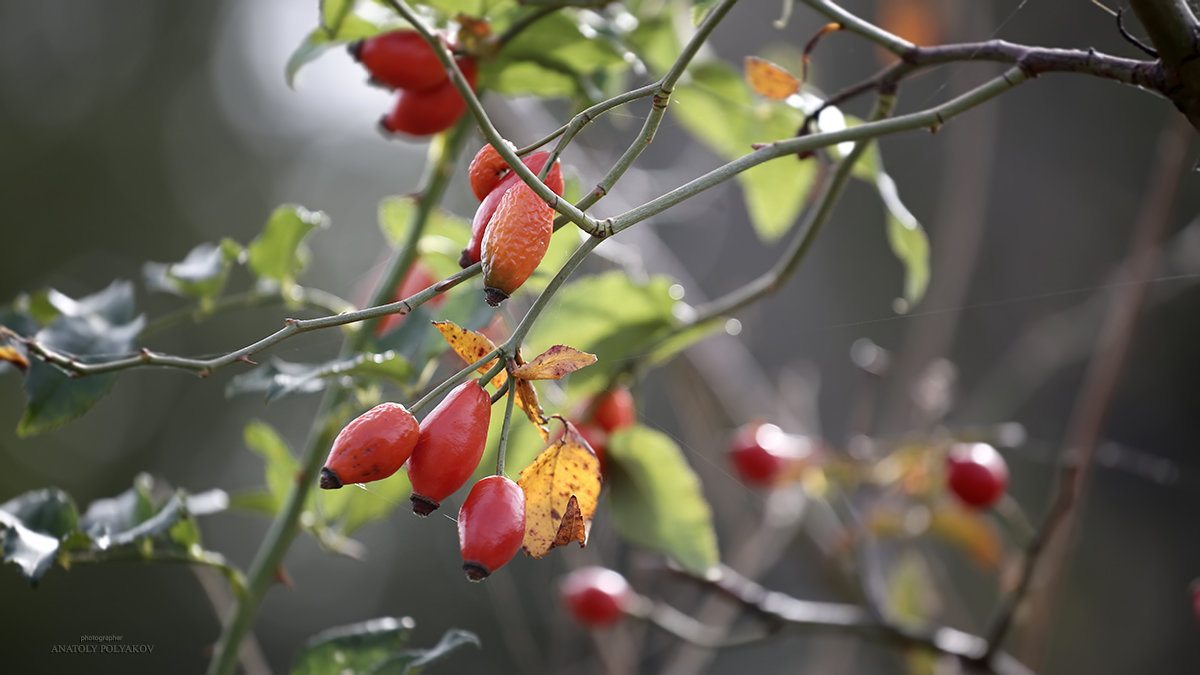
{"x":354,"y":649}
{"x":608,"y":315}
{"x":281,"y":464}
{"x":656,"y":499}
{"x":93,"y":328}
{"x":49,"y":511}
{"x":279,"y":253}
{"x":351,"y":27}
{"x":201,"y":274}
{"x":31,"y":551}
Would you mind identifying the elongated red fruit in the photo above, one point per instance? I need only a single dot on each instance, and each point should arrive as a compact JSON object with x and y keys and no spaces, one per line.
{"x":491,"y":526}
{"x":421,"y":112}
{"x":613,"y":409}
{"x":535,"y":162}
{"x":596,"y":596}
{"x":515,"y":241}
{"x":486,"y":170}
{"x":400,"y":59}
{"x":452,"y":439}
{"x":371,"y":447}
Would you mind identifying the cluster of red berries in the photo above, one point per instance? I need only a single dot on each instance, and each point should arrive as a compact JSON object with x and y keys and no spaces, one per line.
{"x":441,"y":453}
{"x":428,"y":102}
{"x":512,"y":226}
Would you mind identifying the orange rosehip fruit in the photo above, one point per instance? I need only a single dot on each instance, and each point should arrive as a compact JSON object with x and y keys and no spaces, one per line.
{"x":486,"y":170}
{"x":614,"y":409}
{"x":371,"y":447}
{"x":491,"y":526}
{"x":514,"y":242}
{"x":554,"y":180}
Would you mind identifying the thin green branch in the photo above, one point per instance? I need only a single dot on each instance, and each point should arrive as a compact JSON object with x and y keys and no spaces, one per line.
{"x":851,"y":22}
{"x":510,"y":385}
{"x":205,"y":367}
{"x":931,"y":118}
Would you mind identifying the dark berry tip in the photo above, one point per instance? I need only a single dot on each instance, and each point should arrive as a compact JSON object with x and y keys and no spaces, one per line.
{"x":494,"y":296}
{"x":464,"y":259}
{"x":355,"y":49}
{"x":330,"y":479}
{"x":422,"y":505}
{"x":475,"y":571}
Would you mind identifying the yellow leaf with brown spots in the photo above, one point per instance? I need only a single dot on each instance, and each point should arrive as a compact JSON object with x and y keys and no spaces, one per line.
{"x":554,"y":363}
{"x":561,"y":488}
{"x":470,"y":346}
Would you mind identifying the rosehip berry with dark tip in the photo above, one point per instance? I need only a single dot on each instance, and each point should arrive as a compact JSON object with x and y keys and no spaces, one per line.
{"x":487,"y":208}
{"x":491,"y":526}
{"x":515,"y":241}
{"x":976,"y":474}
{"x":451,"y":444}
{"x":596,"y":596}
{"x":371,"y":447}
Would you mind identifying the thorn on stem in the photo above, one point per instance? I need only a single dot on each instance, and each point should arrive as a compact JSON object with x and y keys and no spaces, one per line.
{"x":244,"y":358}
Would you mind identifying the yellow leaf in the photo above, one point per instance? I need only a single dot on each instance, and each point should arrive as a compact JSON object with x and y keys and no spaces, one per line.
{"x":770,"y":80}
{"x":15,"y":357}
{"x":969,"y":530}
{"x":561,"y":488}
{"x":554,"y":363}
{"x":472,"y":346}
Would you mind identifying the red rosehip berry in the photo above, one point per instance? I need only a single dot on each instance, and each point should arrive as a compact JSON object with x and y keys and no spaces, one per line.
{"x":421,"y":112}
{"x":614,"y":410}
{"x":595,"y":596}
{"x":760,"y":452}
{"x":451,"y":444}
{"x":976,"y":474}
{"x":418,"y":279}
{"x":491,"y":526}
{"x":400,"y":59}
{"x":487,"y":208}
{"x":371,"y":447}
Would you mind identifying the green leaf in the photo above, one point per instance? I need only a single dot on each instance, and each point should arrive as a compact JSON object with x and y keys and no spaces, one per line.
{"x":558,"y":57}
{"x":452,"y":640}
{"x":351,"y":27}
{"x":700,"y":10}
{"x":353,"y":649}
{"x":333,"y":13}
{"x":717,"y":107}
{"x":201,"y":274}
{"x":608,"y":315}
{"x":281,"y":465}
{"x":49,"y":511}
{"x":279,"y":253}
{"x":94,"y":328}
{"x":31,"y":551}
{"x":907,"y":239}
{"x":656,"y":499}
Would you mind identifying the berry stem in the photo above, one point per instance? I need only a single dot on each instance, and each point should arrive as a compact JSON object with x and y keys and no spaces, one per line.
{"x":502,"y":450}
